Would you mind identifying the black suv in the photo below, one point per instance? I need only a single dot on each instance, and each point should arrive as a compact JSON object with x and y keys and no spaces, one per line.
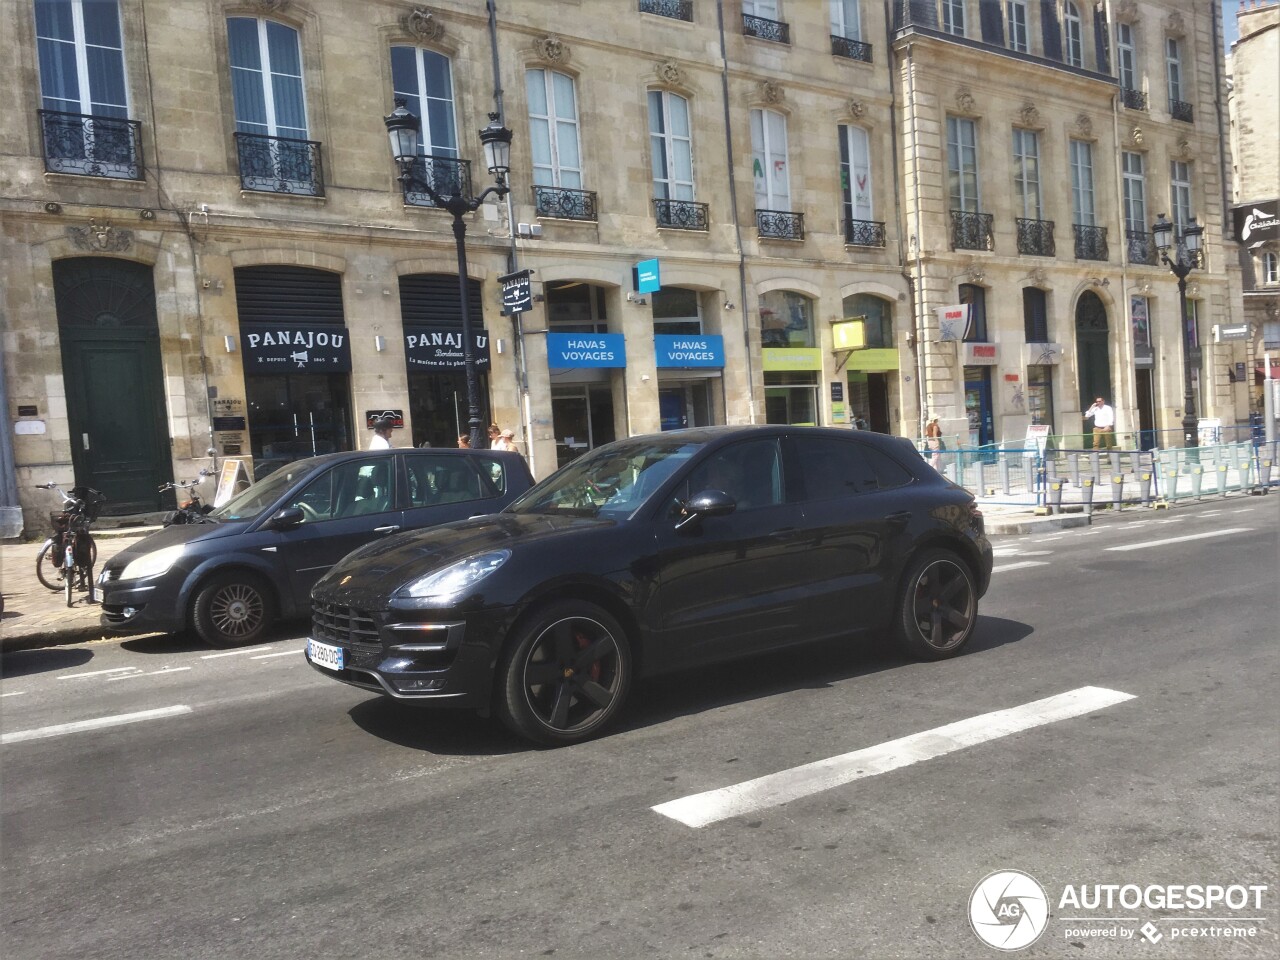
{"x":259,"y":556}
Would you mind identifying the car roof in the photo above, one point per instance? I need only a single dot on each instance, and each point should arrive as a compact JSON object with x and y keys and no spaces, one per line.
{"x":325,"y":459}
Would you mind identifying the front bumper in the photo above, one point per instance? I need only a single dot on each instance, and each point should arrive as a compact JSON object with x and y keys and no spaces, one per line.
{"x":139,"y":606}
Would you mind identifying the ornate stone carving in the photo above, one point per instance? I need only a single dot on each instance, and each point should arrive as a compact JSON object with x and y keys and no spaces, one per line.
{"x":1126,"y":11}
{"x":1184,"y":147}
{"x":1143,"y":287}
{"x":669,"y":71}
{"x":1029,"y":115}
{"x":1175,"y":26}
{"x":1084,"y":126}
{"x":1136,"y":136}
{"x":269,"y":6}
{"x":1039,"y":277}
{"x":973,"y":270}
{"x":421,"y":24}
{"x":856,"y":109}
{"x":965,"y":101}
{"x":551,"y":49}
{"x":770,"y":91}
{"x":100,"y":236}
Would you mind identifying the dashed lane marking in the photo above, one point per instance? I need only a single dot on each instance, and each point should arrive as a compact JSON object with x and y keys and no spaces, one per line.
{"x":234,"y":653}
{"x":1047,"y":539}
{"x":96,"y":673}
{"x":153,"y":673}
{"x":1190,"y":536}
{"x":13,"y":693}
{"x":80,"y":726}
{"x":775,"y":789}
{"x":1020,"y":565}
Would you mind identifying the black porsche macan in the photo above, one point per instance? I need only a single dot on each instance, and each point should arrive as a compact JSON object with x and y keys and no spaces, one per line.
{"x":653,"y":554}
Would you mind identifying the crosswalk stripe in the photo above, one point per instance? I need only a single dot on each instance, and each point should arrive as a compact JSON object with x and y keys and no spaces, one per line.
{"x":1183,"y":539}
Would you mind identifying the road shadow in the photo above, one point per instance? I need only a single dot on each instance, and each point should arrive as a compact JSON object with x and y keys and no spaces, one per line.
{"x":23,"y":663}
{"x":187,"y":641}
{"x":461,"y":733}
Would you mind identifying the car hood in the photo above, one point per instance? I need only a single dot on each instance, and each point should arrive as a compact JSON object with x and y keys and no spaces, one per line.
{"x":383,"y":567}
{"x":176,"y":533}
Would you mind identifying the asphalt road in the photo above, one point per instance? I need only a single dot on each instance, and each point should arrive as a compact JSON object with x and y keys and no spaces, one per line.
{"x":266,"y":811}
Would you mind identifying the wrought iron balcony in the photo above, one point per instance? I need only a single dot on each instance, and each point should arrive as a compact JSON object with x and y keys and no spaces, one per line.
{"x":1142,"y":247}
{"x":1091,"y":242}
{"x":447,"y":176}
{"x":92,"y":146}
{"x":864,"y":233}
{"x":1133,"y":99}
{"x":1181,"y":110}
{"x":279,"y":165}
{"x":680,"y":214}
{"x":780,"y":225}
{"x":1035,"y":237}
{"x":561,"y":203}
{"x":675,"y":9}
{"x":971,"y":231}
{"x":850,"y":49}
{"x":763,"y":29}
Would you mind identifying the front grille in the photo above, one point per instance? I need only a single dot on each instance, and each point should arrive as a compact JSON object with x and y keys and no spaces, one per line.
{"x":343,"y":626}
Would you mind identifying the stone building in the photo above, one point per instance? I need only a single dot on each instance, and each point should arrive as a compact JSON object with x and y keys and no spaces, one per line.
{"x":207,"y":245}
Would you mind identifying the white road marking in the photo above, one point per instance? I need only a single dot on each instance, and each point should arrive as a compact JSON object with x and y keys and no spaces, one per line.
{"x":233,"y":653}
{"x":286,"y":653}
{"x":1241,"y":510}
{"x":1020,"y":565}
{"x":1005,"y":551}
{"x":1047,"y":539}
{"x":96,"y":673}
{"x":775,"y":789}
{"x":153,"y":673}
{"x":57,"y":730}
{"x":15,"y":693}
{"x":1190,"y":536}
{"x":1209,"y":513}
{"x":1170,"y":520}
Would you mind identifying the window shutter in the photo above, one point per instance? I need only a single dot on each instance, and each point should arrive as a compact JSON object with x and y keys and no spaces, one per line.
{"x":1052,"y":29}
{"x":1101,"y":41}
{"x":992,"y":23}
{"x":276,"y":294}
{"x":1034,"y":315}
{"x":432,"y":298}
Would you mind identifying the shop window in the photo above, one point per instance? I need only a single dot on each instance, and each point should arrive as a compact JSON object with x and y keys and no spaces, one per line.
{"x":786,"y":319}
{"x":574,"y":306}
{"x":676,"y":312}
{"x":879,"y":317}
{"x":791,"y":397}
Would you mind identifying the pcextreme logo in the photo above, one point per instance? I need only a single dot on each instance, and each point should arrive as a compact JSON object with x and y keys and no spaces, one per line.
{"x":1008,"y":910}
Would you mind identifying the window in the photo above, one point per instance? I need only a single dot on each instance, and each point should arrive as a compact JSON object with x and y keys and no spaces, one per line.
{"x":1035,"y":315}
{"x":1270,"y":267}
{"x":976,"y":297}
{"x":1083,"y":210}
{"x":1016,"y":25}
{"x":786,"y":319}
{"x":670,"y":146}
{"x":435,"y":479}
{"x":962,"y":164}
{"x":845,"y":19}
{"x":1140,"y":321}
{"x":1127,"y":56}
{"x":424,"y":79}
{"x":768,"y":9}
{"x":750,"y":472}
{"x":81,"y":57}
{"x":878,"y":314}
{"x":1192,"y":321}
{"x":1180,"y":195}
{"x":1040,"y":394}
{"x":1026,"y":173}
{"x":834,"y":468}
{"x":953,"y":17}
{"x":855,"y":172}
{"x":1173,"y":68}
{"x":354,"y":489}
{"x":1074,"y":30}
{"x":266,"y":78}
{"x":675,"y":312}
{"x":769,"y":160}
{"x":553,"y":129}
{"x":1135,"y":193}
{"x":576,"y":307}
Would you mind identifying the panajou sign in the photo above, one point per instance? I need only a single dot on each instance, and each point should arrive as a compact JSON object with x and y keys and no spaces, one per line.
{"x":440,"y":348}
{"x":295,"y":348}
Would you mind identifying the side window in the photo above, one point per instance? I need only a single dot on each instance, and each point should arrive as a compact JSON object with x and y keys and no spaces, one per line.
{"x":435,"y":480}
{"x":835,"y":468}
{"x":888,"y":472}
{"x":352,"y":489}
{"x":749,"y":472}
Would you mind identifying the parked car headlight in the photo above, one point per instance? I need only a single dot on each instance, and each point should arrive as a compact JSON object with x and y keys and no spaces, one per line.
{"x":447,"y":583}
{"x":152,"y":564}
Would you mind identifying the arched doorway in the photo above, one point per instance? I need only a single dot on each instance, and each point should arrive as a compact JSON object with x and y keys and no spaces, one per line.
{"x":109,"y":336}
{"x":1093,"y":357}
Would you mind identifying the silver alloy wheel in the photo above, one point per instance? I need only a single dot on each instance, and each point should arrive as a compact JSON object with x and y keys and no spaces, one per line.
{"x":237,"y":610}
{"x":943,"y":605}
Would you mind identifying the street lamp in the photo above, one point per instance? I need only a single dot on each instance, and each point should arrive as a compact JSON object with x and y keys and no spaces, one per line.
{"x":1186,"y":257}
{"x":402,"y":129}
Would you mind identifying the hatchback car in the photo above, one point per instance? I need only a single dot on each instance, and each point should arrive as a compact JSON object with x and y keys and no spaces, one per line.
{"x":260,"y":554}
{"x":658,"y":553}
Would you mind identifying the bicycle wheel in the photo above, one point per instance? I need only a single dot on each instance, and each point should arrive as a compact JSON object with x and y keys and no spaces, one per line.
{"x":49,"y":566}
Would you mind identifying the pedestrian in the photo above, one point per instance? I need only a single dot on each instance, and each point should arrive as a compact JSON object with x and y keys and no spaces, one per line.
{"x":382,"y":427}
{"x":495,"y":433}
{"x":933,"y":440}
{"x":500,"y":439}
{"x":464,"y":441}
{"x":1103,"y":416}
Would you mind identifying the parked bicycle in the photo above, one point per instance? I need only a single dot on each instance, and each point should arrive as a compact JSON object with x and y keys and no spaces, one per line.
{"x":66,"y":560}
{"x":192,"y":510}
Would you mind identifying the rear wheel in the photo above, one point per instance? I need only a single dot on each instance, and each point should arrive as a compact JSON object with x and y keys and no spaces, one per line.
{"x":233,"y":609}
{"x":938,"y":606}
{"x":565,"y":673}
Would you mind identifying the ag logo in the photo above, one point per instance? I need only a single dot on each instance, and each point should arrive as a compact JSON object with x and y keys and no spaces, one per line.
{"x":1008,"y":910}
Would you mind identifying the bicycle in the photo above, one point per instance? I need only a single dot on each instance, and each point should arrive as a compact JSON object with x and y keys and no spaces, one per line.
{"x":66,"y":560}
{"x":192,"y":511}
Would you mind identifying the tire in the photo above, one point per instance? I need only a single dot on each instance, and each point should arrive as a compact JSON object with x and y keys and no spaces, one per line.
{"x":233,"y":609}
{"x":49,"y":569}
{"x":564,"y":674}
{"x":937,"y":606}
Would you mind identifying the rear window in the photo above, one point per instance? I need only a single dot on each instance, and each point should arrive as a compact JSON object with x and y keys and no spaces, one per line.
{"x":445,"y":479}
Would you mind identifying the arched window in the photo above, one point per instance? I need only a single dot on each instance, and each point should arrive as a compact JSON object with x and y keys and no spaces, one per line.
{"x":855,"y":174}
{"x":424,"y":79}
{"x":1074,"y":30}
{"x":786,"y":319}
{"x":676,"y":311}
{"x":670,"y":146}
{"x":553,"y":129}
{"x":879,"y":317}
{"x":81,"y":57}
{"x":769,"y":168}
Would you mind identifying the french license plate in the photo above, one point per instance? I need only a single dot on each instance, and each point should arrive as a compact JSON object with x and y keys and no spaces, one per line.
{"x":325,"y":655}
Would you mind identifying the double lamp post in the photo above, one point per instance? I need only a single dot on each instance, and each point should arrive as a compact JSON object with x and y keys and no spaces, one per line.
{"x":1186,"y":257}
{"x":447,"y":181}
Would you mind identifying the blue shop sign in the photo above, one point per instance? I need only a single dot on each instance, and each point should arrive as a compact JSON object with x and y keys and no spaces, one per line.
{"x":646,"y":276}
{"x":586,"y":350}
{"x":681,"y":350}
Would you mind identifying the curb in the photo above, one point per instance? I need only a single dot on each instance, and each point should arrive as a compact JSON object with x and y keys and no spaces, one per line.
{"x":59,"y":638}
{"x":1061,"y":521}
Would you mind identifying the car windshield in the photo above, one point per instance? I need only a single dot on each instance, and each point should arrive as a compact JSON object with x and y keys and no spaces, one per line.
{"x":260,"y":496}
{"x":612,"y":481}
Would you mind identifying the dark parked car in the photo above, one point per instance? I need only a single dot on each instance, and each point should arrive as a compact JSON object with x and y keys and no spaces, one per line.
{"x":268,"y":545}
{"x":653,"y":554}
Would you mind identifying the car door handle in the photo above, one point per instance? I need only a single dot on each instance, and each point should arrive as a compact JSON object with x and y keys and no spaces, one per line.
{"x":902,"y":516}
{"x":391,"y":529}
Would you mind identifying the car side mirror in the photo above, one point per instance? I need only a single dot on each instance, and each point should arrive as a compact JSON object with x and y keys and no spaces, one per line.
{"x":286,"y":519}
{"x":708,"y":503}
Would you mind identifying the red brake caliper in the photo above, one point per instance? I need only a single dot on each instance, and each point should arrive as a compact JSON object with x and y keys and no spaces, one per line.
{"x":583,"y":643}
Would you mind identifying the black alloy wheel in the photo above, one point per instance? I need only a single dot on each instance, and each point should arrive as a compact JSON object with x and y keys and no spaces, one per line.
{"x":938,"y":609}
{"x":565,"y":675}
{"x":233,"y":610}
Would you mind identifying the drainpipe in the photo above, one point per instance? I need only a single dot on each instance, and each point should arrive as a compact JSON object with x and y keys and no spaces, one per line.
{"x":10,"y":507}
{"x":918,"y":285}
{"x":897,"y":190}
{"x":1127,"y":328}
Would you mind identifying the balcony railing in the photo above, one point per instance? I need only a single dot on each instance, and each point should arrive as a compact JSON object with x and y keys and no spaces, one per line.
{"x":447,"y":176}
{"x":1181,"y":110}
{"x":675,"y":9}
{"x":971,"y":231}
{"x":1133,"y":99}
{"x":1091,"y":242}
{"x":864,"y":233}
{"x":1035,"y":237}
{"x":92,"y":146}
{"x":850,"y":49}
{"x":780,"y":225}
{"x":279,"y":165}
{"x":680,"y":214}
{"x":1141,"y":247}
{"x":763,"y":29}
{"x":561,"y":203}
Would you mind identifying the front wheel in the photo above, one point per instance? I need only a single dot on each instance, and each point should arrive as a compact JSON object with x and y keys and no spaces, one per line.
{"x":49,"y":565}
{"x":565,"y":673}
{"x":938,"y":606}
{"x":233,"y":610}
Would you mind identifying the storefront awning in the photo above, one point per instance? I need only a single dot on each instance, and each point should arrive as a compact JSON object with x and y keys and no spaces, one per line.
{"x":1260,"y":368}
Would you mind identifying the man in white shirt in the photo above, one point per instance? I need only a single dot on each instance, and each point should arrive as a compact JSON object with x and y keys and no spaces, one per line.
{"x":1103,"y":416}
{"x":382,"y":427}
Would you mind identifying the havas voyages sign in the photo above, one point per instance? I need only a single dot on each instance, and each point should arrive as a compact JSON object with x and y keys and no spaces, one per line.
{"x":440,"y":348}
{"x":295,"y":348}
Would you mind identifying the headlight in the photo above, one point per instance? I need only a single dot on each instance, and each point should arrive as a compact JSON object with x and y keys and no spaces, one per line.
{"x":447,"y":583}
{"x":153,"y":564}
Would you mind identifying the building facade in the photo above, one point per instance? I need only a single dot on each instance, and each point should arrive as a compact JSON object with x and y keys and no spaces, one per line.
{"x":208,"y":250}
